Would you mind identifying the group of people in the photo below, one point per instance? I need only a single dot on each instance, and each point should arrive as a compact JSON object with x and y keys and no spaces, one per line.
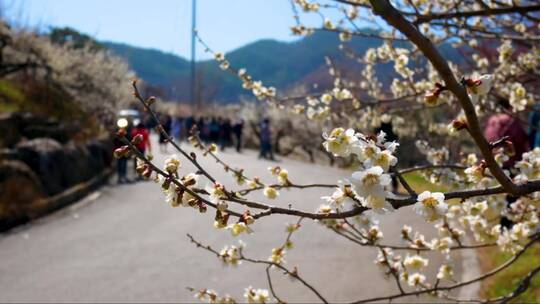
{"x":218,"y":130}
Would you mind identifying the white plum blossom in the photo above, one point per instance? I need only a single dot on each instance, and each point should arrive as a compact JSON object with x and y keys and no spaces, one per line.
{"x":415,"y":262}
{"x":446,"y":272}
{"x":339,"y":141}
{"x":370,"y":182}
{"x":343,"y":195}
{"x":172,"y":163}
{"x":416,"y":279}
{"x":482,"y":85}
{"x":239,"y":228}
{"x":383,"y":159}
{"x":431,"y":206}
{"x":259,"y":296}
{"x":270,"y":192}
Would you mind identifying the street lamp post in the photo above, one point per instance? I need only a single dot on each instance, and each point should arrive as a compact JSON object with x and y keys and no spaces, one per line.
{"x":193,"y":71}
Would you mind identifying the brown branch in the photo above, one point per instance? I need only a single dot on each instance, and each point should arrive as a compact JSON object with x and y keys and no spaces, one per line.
{"x":458,"y":285}
{"x":271,"y":286}
{"x":485,"y":12}
{"x":293,"y":274}
{"x":170,"y":177}
{"x":384,"y":9}
{"x":407,"y":248}
{"x":429,"y":167}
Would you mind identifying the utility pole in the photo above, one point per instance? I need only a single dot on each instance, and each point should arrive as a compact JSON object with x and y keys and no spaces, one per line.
{"x":193,"y":71}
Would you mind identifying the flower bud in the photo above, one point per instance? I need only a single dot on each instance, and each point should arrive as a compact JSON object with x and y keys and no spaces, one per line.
{"x":202,"y":208}
{"x":137,"y":139}
{"x":459,"y":124}
{"x":147,"y":172}
{"x":222,"y":206}
{"x":151,"y":100}
{"x":431,"y":98}
{"x":141,"y":168}
{"x":121,"y":152}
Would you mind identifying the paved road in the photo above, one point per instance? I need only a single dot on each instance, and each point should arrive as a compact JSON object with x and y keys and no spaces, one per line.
{"x":125,"y":244}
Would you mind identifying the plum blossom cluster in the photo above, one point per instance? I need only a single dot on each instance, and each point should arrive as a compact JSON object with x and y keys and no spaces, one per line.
{"x":256,"y":87}
{"x":367,"y":186}
{"x":210,"y":296}
{"x":253,"y":295}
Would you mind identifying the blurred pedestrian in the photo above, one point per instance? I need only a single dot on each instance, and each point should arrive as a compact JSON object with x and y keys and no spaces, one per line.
{"x":121,"y":163}
{"x":203,"y":128}
{"x":189,"y":122}
{"x":165,"y":121}
{"x":266,"y":140}
{"x":143,"y":142}
{"x":225,"y":134}
{"x":176,"y":128}
{"x":237,"y":130}
{"x":213,"y":128}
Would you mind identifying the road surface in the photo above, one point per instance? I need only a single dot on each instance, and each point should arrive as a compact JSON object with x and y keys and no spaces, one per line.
{"x":125,"y":244}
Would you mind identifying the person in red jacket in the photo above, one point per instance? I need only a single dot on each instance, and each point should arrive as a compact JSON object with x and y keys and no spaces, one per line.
{"x":503,"y":124}
{"x":143,"y":144}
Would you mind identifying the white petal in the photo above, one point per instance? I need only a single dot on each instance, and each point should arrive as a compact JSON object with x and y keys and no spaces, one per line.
{"x":424,"y":195}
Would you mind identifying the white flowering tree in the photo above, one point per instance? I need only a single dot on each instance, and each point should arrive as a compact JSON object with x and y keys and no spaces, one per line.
{"x":90,"y":76}
{"x":467,"y":216}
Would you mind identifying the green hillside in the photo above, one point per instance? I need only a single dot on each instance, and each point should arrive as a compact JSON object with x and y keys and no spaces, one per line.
{"x":279,"y":64}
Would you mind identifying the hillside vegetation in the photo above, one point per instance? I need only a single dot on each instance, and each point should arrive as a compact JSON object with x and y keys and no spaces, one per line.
{"x":284,"y":65}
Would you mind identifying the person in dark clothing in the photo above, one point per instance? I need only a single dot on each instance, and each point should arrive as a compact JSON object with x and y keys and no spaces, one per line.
{"x":237,"y":130}
{"x":266,"y":140}
{"x":121,"y":163}
{"x":387,"y":128}
{"x":165,"y":121}
{"x":225,"y":134}
{"x":213,"y":128}
{"x":189,"y":122}
{"x":204,"y":132}
{"x":177,"y":125}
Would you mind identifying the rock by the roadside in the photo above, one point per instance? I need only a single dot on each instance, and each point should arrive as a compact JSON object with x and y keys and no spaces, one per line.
{"x":44,"y":156}
{"x":19,"y":188}
{"x":57,"y":132}
{"x":76,"y":165}
{"x":100,"y":153}
{"x":16,"y":126}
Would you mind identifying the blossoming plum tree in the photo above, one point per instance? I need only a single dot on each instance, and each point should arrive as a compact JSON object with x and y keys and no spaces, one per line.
{"x":467,"y":216}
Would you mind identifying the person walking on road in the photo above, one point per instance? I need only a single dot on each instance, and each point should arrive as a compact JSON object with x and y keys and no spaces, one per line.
{"x":225,"y":134}
{"x":237,"y":130}
{"x":165,"y":121}
{"x":266,"y":140}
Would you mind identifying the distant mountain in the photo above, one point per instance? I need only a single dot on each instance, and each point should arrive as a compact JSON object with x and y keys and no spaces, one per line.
{"x":280,"y":64}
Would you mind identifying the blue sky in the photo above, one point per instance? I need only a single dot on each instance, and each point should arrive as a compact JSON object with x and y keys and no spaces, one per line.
{"x":163,"y":24}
